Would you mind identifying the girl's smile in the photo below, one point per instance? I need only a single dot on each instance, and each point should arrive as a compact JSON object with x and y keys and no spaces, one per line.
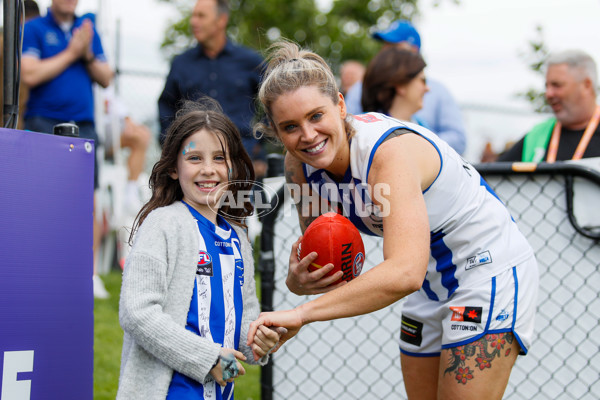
{"x":202,"y":171}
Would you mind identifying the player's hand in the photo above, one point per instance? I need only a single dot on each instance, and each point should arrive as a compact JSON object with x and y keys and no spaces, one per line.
{"x":228,"y":368}
{"x":266,"y":339}
{"x":290,"y":319}
{"x":302,"y":281}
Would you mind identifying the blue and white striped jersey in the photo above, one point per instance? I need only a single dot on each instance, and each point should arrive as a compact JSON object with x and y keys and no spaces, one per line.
{"x":216,"y":307}
{"x":473,"y":236}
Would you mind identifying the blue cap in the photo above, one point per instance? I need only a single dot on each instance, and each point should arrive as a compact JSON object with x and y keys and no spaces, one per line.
{"x":400,"y":31}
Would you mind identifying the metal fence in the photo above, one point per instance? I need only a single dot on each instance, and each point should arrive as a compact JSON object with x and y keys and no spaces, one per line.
{"x":358,"y":358}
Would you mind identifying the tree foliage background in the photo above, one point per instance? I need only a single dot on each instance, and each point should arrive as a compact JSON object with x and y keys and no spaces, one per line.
{"x":535,"y":59}
{"x":337,"y":34}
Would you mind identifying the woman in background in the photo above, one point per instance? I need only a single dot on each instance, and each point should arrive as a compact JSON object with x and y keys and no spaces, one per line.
{"x":395,"y":84}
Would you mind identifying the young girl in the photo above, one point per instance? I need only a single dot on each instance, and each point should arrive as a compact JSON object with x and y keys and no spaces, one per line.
{"x":449,"y":243}
{"x":188,"y":293}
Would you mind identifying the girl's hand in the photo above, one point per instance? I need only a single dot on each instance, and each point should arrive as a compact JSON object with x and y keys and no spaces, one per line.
{"x":228,"y":367}
{"x":301,"y":281}
{"x":266,"y":339}
{"x":291,"y":320}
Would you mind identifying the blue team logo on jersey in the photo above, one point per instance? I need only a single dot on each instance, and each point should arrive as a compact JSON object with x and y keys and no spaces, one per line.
{"x":52,"y":39}
{"x":205,"y":266}
{"x":503,"y":316}
{"x":359,"y":260}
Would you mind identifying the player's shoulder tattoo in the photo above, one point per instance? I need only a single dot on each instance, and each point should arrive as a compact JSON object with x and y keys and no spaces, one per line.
{"x":293,"y":170}
{"x":290,"y":175}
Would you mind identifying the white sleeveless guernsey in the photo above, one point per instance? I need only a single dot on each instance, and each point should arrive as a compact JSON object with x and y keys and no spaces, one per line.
{"x":473,"y":236}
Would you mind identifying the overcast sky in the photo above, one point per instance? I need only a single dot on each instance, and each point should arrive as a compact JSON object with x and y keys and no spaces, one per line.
{"x":473,"y":48}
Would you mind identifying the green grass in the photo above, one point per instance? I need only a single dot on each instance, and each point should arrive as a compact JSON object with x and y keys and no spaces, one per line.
{"x":108,"y":340}
{"x":247,"y":387}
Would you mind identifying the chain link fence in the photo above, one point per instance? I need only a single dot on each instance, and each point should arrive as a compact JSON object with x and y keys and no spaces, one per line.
{"x":358,"y":358}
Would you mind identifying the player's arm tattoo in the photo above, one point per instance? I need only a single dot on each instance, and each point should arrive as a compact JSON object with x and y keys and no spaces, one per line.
{"x":482,"y":351}
{"x":308,"y":209}
{"x":306,"y":221}
{"x":305,"y":207}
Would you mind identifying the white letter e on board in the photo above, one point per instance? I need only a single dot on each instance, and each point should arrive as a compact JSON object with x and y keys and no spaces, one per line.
{"x":15,"y":362}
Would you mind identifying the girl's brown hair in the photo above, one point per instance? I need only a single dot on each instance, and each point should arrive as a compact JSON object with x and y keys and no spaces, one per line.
{"x":205,"y":114}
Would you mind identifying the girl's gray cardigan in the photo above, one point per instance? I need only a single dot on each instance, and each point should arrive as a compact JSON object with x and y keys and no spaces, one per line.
{"x":158,"y":281}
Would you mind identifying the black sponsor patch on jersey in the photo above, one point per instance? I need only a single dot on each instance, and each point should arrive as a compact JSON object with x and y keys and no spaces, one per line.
{"x":411,"y":331}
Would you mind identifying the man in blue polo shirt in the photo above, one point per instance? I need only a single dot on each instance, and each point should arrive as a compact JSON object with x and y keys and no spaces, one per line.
{"x":216,"y":67}
{"x":62,"y":57}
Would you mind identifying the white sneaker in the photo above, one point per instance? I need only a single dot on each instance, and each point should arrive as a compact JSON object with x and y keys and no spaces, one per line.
{"x":100,"y":291}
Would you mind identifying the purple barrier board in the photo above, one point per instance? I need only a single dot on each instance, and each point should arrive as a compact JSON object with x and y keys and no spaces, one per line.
{"x":46,"y":264}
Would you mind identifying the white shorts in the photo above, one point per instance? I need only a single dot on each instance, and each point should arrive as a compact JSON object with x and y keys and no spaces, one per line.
{"x":504,"y":303}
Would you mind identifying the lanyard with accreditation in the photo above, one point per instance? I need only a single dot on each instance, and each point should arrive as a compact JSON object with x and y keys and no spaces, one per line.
{"x":583,"y":143}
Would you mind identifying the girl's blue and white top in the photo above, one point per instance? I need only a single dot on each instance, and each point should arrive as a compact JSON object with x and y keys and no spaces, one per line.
{"x":216,"y":307}
{"x":473,"y":236}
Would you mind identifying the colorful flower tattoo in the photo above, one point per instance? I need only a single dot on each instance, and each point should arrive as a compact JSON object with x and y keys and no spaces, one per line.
{"x":484,"y":351}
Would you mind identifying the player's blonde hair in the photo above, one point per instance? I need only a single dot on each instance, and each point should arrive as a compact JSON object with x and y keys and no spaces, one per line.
{"x":289,"y":68}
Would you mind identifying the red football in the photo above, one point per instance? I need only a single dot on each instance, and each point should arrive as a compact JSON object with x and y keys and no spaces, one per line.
{"x":336,"y":240}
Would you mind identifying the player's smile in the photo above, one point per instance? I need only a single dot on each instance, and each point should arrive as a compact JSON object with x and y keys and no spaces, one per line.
{"x":316,"y":149}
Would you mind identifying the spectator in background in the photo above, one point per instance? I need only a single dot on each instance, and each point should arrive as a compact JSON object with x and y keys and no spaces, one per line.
{"x":440,"y":111}
{"x":32,"y":10}
{"x":62,"y":58}
{"x":573,"y":132}
{"x":395,"y":84}
{"x":218,"y":68}
{"x":118,"y":125}
{"x":351,"y":71}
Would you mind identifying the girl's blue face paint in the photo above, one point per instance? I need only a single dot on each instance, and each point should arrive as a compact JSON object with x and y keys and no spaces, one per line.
{"x":190,"y":146}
